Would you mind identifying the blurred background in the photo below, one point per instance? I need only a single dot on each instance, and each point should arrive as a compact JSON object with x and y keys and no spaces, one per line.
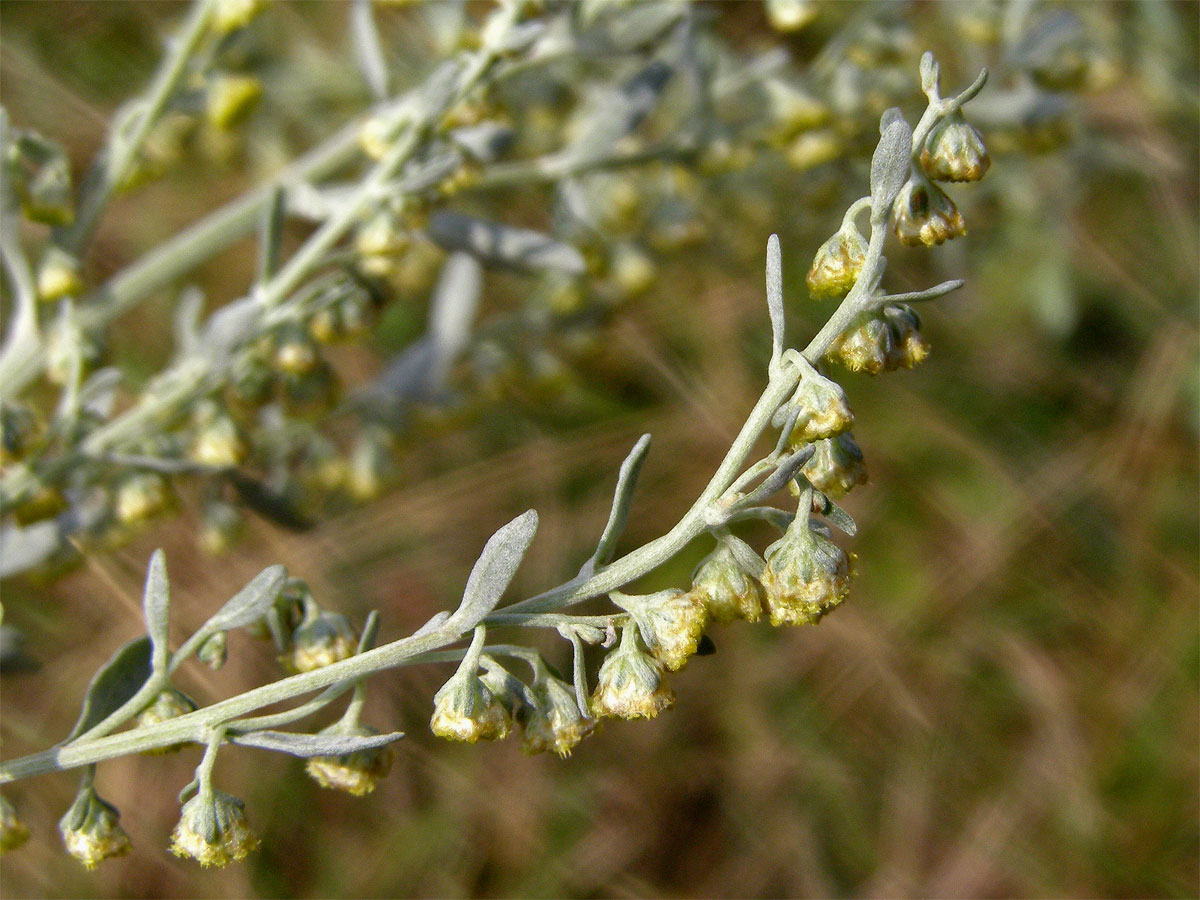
{"x":1007,"y":703}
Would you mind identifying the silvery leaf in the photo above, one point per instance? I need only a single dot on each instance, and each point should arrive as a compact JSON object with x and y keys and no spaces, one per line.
{"x":438,"y":90}
{"x":619,"y":514}
{"x":837,"y":516}
{"x":98,"y":394}
{"x":775,"y":295}
{"x":617,"y":113}
{"x":22,"y":549}
{"x":367,"y":48}
{"x":486,"y":142}
{"x":156,"y":603}
{"x":494,"y":570}
{"x":500,"y":244}
{"x":891,"y":163}
{"x":186,"y":321}
{"x":270,"y":234}
{"x":230,"y":325}
{"x":250,"y":603}
{"x":307,"y":745}
{"x":521,"y":36}
{"x":116,"y":681}
{"x":437,"y":621}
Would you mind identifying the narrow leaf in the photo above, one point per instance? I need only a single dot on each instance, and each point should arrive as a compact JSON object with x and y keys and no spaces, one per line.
{"x":617,"y":113}
{"x":503,"y":245}
{"x":891,"y":163}
{"x":270,"y":236}
{"x":622,"y":499}
{"x":775,"y":296}
{"x":435,"y":622}
{"x":251,"y":603}
{"x":494,"y":570}
{"x":486,"y":142}
{"x":455,"y":302}
{"x":837,"y":516}
{"x":306,"y":745}
{"x":156,"y":602}
{"x":118,"y":680}
{"x":186,"y":321}
{"x":22,"y":549}
{"x":368,"y":50}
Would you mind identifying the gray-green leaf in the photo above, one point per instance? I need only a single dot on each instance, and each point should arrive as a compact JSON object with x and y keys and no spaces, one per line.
{"x":891,"y":163}
{"x":494,"y":570}
{"x":306,"y":745}
{"x":156,"y":602}
{"x":118,"y":680}
{"x":250,"y":603}
{"x":775,"y":295}
{"x":499,"y":244}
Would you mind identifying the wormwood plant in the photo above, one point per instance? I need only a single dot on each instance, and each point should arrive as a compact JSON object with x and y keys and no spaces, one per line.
{"x":263,"y":350}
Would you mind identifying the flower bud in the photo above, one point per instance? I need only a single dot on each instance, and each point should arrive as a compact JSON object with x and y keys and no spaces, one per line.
{"x":139,"y":497}
{"x":382,"y":235}
{"x":214,"y":651}
{"x":213,"y":830}
{"x":372,"y":465}
{"x":58,"y":276}
{"x":321,"y":639}
{"x":553,"y":721}
{"x":791,"y":109}
{"x":836,"y":466}
{"x":671,"y":623}
{"x":13,"y":832}
{"x":923,"y":214}
{"x":822,"y":409}
{"x":727,"y":581}
{"x":230,"y":15}
{"x":909,"y":347}
{"x":631,"y":683}
{"x":349,"y":316}
{"x":954,"y":151}
{"x":376,"y":136}
{"x":465,"y":709}
{"x":47,"y":196}
{"x":806,"y":574}
{"x":790,"y":15}
{"x":217,"y":441}
{"x":837,"y":265}
{"x":295,"y":352}
{"x":356,"y":773}
{"x":506,"y":687}
{"x":221,"y":526}
{"x":170,"y":704}
{"x":865,"y":348}
{"x":230,"y":99}
{"x":91,"y":831}
{"x":632,"y":269}
{"x":814,"y":148}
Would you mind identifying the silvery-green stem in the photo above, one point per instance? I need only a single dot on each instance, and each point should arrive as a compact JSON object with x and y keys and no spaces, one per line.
{"x":116,"y":160}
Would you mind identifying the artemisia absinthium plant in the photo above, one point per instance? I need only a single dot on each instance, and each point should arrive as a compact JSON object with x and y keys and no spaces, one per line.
{"x":502,"y":689}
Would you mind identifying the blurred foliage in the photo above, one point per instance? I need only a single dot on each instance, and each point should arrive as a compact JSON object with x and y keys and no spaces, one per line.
{"x":1007,"y":704}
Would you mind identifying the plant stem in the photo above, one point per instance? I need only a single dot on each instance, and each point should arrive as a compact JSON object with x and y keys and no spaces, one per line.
{"x":116,"y":160}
